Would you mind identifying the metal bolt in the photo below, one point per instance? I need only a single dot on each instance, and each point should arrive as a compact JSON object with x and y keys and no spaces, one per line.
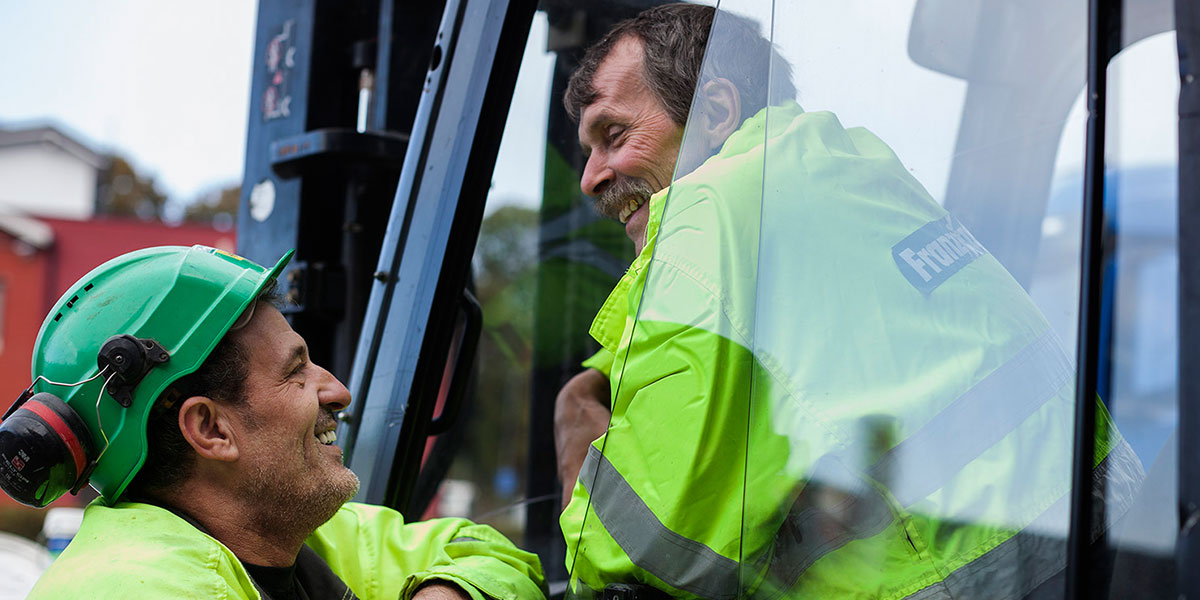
{"x":381,"y":276}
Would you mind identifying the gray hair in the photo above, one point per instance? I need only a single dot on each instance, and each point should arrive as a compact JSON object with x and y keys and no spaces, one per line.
{"x":674,"y":38}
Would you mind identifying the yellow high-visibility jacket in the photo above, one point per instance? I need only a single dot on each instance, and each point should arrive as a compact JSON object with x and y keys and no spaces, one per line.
{"x":131,"y":551}
{"x":823,"y":386}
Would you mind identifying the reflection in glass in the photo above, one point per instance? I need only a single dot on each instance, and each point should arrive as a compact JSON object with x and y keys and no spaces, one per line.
{"x":831,"y":383}
{"x":1141,"y":196}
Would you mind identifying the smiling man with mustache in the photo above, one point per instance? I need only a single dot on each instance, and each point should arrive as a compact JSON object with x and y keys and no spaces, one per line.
{"x":815,"y":382}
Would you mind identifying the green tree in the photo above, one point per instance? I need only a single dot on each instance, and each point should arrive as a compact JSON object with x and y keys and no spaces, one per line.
{"x":505,"y":276}
{"x":121,"y":191}
{"x":218,"y":207}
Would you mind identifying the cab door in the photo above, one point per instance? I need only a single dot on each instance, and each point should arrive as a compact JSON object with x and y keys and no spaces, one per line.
{"x":883,"y":390}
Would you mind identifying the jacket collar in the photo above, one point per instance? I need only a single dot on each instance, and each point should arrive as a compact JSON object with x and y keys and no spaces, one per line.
{"x":620,"y":308}
{"x":611,"y":320}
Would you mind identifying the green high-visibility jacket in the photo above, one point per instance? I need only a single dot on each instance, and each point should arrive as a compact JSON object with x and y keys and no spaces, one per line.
{"x":823,"y":386}
{"x":135,"y":550}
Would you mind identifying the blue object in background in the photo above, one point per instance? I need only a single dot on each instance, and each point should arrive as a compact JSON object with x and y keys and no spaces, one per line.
{"x":505,"y":481}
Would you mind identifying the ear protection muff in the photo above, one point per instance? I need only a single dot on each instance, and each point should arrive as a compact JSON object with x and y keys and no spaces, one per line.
{"x":46,"y":448}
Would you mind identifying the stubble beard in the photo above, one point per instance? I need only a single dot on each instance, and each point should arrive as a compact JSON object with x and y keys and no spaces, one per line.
{"x":286,"y":504}
{"x":616,"y":197}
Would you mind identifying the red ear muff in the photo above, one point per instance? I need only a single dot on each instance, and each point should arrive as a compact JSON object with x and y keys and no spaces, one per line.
{"x":45,"y":448}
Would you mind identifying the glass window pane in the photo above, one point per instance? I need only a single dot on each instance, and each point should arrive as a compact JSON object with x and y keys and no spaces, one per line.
{"x":1141,"y":195}
{"x":543,"y":264}
{"x":486,"y":478}
{"x":836,"y":382}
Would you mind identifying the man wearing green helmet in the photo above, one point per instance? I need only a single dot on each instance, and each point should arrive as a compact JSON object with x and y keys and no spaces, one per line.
{"x":168,"y":380}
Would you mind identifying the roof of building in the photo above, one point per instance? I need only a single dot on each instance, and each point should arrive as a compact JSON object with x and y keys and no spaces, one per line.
{"x":48,"y":134}
{"x":35,"y":232}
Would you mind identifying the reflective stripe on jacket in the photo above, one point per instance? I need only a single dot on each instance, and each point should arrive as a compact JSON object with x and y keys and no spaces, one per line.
{"x":134,"y":550}
{"x":799,"y":412}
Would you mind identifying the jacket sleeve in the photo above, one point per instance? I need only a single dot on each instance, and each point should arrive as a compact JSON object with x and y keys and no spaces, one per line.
{"x":381,"y":557}
{"x":601,"y":361}
{"x":687,"y":443}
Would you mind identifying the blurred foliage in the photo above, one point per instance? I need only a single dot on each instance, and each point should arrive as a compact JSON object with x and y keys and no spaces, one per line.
{"x":218,"y":208}
{"x":507,"y":249}
{"x":122,"y":192}
{"x":505,"y":276}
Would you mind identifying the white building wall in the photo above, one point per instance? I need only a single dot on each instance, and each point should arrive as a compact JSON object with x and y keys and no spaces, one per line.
{"x":45,"y":180}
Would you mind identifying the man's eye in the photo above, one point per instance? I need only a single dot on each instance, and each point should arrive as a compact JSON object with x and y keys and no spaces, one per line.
{"x":614,"y":132}
{"x":299,"y":369}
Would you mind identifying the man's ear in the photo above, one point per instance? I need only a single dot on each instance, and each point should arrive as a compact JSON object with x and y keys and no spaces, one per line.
{"x":722,"y":111}
{"x":206,"y":427}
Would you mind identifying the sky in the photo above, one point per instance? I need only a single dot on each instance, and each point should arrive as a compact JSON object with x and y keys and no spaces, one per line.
{"x":164,"y":84}
{"x":167,"y":84}
{"x":517,"y":178}
{"x":852,"y":57}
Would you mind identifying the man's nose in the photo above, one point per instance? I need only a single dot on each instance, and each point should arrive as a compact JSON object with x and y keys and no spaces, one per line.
{"x":596,"y":175}
{"x":332,"y":393}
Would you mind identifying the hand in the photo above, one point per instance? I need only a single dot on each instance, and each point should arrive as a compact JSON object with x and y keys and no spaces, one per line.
{"x":580,"y":416}
{"x":440,"y":590}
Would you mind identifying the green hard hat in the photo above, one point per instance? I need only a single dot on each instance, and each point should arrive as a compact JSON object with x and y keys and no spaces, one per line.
{"x":184,"y":299}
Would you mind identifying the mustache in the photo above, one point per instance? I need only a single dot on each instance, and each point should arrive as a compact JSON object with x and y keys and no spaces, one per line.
{"x":325,"y":419}
{"x":616,"y":196}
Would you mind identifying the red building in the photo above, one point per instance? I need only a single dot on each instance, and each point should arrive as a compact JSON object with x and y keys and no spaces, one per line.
{"x":51,"y":188}
{"x":40,"y":258}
